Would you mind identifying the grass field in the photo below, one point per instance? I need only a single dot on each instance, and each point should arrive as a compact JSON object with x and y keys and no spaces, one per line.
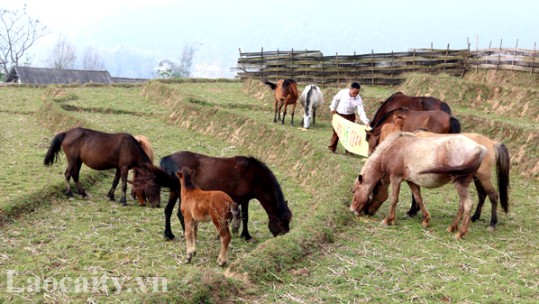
{"x":62,"y":250}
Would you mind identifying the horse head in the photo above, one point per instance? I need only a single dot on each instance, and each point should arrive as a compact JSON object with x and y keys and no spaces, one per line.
{"x":149,"y":180}
{"x":372,"y":140}
{"x":280,"y":224}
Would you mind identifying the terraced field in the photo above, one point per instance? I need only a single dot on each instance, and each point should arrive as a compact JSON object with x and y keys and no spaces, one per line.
{"x":53,"y":246}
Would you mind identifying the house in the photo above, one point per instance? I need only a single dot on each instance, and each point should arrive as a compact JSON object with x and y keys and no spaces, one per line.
{"x":30,"y":75}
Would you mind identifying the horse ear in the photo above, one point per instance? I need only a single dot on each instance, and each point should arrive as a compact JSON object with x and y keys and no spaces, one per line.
{"x":360,"y":179}
{"x":179,"y":174}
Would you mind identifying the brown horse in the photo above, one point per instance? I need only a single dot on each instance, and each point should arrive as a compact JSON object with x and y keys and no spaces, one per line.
{"x":394,"y":126}
{"x":99,"y":151}
{"x":436,"y":121}
{"x":421,"y":162}
{"x":497,"y":157}
{"x":414,"y":103}
{"x":286,"y":93}
{"x":243,"y":178}
{"x":203,"y":206}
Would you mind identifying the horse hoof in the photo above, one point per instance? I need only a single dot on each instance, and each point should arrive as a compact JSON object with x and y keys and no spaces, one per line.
{"x":491,"y":229}
{"x":169,"y":237}
{"x":458,"y":236}
{"x":384,"y":224}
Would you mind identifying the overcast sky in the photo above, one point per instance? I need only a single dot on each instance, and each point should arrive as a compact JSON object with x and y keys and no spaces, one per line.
{"x":134,"y":35}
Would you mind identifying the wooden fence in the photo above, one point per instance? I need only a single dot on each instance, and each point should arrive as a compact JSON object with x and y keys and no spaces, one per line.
{"x":379,"y":68}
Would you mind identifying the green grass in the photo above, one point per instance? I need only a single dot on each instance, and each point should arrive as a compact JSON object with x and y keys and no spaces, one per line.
{"x":329,"y":256}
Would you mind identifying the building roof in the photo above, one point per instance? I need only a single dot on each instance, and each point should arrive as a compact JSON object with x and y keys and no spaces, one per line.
{"x":30,"y":75}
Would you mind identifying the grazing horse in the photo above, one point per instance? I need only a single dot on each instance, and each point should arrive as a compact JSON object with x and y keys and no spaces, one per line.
{"x":99,"y":151}
{"x":311,"y":99}
{"x":243,"y":178}
{"x":414,"y":103}
{"x":436,"y":121}
{"x":139,"y":194}
{"x":497,"y":157}
{"x":286,"y":93}
{"x":429,"y":162}
{"x":203,"y":206}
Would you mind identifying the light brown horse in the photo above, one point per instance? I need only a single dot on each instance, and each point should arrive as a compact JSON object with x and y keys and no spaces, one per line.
{"x":203,"y":206}
{"x":497,"y":159}
{"x":286,"y":93}
{"x":394,"y":126}
{"x":436,"y":121}
{"x":139,"y":193}
{"x":429,"y":162}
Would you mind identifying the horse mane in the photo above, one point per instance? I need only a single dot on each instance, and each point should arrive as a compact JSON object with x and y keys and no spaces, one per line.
{"x":188,"y":179}
{"x":271,"y":84}
{"x":308,"y":99}
{"x":383,"y":104}
{"x":139,"y":148}
{"x":278,"y":192}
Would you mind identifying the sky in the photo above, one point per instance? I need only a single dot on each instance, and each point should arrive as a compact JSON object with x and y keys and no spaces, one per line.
{"x":133,"y":36}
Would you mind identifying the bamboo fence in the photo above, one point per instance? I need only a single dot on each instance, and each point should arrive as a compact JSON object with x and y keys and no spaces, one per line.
{"x":311,"y":66}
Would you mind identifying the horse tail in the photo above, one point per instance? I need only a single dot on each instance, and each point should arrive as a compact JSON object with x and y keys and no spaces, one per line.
{"x":454,"y":125}
{"x":54,"y":149}
{"x":503,"y":165}
{"x":169,"y":166}
{"x":271,"y":84}
{"x":236,"y":218}
{"x":445,"y":107}
{"x":464,"y":171}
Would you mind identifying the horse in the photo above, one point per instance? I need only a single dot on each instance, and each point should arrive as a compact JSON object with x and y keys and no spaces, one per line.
{"x":414,"y":103}
{"x":311,"y":99}
{"x":497,"y":157}
{"x":203,"y":206}
{"x":436,"y":121}
{"x":99,"y":151}
{"x":394,"y":126}
{"x":139,"y":194}
{"x":429,"y":162}
{"x":286,"y":93}
{"x":243,"y":178}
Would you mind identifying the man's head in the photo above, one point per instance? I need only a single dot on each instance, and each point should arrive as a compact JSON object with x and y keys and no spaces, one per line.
{"x":354,"y":89}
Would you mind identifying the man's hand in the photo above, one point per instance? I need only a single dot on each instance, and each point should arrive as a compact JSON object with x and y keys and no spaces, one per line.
{"x":333,"y":112}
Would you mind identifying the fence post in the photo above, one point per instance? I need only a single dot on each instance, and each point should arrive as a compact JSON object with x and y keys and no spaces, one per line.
{"x":430,"y":58}
{"x":533,"y":58}
{"x":445,"y":59}
{"x":338,"y":70}
{"x":261,"y":63}
{"x":372,"y":67}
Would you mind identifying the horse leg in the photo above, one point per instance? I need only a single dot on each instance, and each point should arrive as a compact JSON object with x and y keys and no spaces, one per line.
{"x":481,"y":194}
{"x":490,"y":191}
{"x":245,"y":218}
{"x":276,"y":104}
{"x":292,"y":114}
{"x":221,"y":223}
{"x":114,"y":184}
{"x":395,"y":188}
{"x":123,"y":176}
{"x":236,"y":219}
{"x":314,"y":116}
{"x":75,"y":173}
{"x":284,"y":112}
{"x":173,"y":196}
{"x":414,"y":208}
{"x":190,"y":236}
{"x":465,"y":209}
{"x":416,"y":192}
{"x":68,"y":172}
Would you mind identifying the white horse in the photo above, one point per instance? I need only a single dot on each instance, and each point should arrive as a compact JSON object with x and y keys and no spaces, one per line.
{"x":311,"y":99}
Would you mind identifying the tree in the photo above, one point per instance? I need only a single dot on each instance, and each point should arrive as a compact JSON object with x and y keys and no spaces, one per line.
{"x":18,"y":33}
{"x":91,"y":60}
{"x":63,"y":55}
{"x":169,"y":69}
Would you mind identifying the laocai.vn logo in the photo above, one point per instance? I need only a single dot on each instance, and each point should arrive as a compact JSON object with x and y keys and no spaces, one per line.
{"x":93,"y":284}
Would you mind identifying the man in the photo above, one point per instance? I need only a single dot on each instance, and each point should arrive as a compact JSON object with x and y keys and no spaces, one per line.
{"x":345,"y":103}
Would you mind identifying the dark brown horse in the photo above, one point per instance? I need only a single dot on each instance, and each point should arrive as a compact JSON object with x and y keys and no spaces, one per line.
{"x":435,"y":121}
{"x":414,"y":103}
{"x":204,"y":206}
{"x":99,"y":151}
{"x":243,"y":178}
{"x":286,"y":93}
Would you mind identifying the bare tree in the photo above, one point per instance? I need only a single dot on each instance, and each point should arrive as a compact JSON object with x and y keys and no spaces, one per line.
{"x":63,"y":55}
{"x":91,"y":60}
{"x":18,"y":33}
{"x":186,"y":61}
